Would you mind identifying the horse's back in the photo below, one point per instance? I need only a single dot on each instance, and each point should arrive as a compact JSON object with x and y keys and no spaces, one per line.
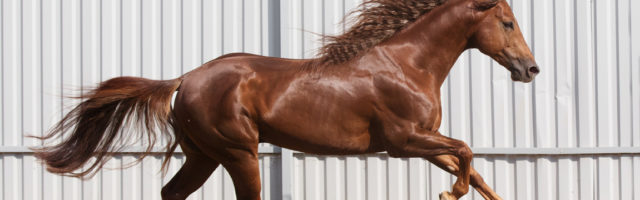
{"x":220,"y":99}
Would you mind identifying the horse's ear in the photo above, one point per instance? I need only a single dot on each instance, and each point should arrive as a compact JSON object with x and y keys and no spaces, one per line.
{"x":485,"y":4}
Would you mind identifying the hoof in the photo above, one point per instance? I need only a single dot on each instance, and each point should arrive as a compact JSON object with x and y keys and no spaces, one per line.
{"x":447,"y":196}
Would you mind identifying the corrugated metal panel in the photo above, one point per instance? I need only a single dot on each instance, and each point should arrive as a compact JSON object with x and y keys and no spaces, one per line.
{"x":586,"y":101}
{"x":379,"y":177}
{"x":586,"y":97}
{"x":51,"y":48}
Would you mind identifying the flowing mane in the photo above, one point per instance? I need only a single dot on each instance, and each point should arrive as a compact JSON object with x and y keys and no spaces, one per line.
{"x":377,"y":21}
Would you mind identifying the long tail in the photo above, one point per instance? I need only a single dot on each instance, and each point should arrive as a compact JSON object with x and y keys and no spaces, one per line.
{"x":93,"y":128}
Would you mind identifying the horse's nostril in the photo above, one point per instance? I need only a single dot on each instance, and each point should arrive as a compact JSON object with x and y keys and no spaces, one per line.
{"x":534,"y":70}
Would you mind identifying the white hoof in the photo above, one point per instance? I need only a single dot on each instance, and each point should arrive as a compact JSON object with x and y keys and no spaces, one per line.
{"x":447,"y":196}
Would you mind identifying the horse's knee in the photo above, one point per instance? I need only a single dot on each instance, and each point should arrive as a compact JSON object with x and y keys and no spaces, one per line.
{"x":465,"y":153}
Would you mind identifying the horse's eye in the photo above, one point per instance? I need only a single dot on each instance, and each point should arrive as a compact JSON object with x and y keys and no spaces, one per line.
{"x":508,"y":25}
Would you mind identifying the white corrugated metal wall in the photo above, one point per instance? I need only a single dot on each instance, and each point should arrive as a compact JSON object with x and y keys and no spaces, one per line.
{"x":51,"y":47}
{"x":573,"y":134}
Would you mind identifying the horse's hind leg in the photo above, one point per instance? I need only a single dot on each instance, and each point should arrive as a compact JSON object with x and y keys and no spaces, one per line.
{"x":245,"y":173}
{"x":195,"y":171}
{"x":450,"y":164}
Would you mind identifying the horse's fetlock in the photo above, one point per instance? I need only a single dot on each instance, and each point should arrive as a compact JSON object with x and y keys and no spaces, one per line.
{"x":460,"y":189}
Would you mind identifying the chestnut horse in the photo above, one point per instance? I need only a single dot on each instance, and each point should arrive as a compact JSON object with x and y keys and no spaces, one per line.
{"x":374,"y":88}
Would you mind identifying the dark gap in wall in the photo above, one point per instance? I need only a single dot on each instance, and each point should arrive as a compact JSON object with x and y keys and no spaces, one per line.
{"x":274,"y":28}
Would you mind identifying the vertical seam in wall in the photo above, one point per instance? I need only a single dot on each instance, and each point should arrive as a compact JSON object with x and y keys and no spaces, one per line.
{"x":576,"y":89}
{"x":597,"y":177}
{"x":2,"y":75}
{"x":617,"y":65}
{"x":515,"y":174}
{"x":619,"y":113}
{"x":631,"y":72}
{"x":101,"y":48}
{"x":344,"y":17}
{"x":261,"y":25}
{"x":141,"y":168}
{"x":141,"y":42}
{"x":161,"y":39}
{"x":408,"y":180}
{"x":576,"y":81}
{"x":594,"y":40}
{"x":326,"y":172}
{"x":555,"y":74}
{"x":534,"y":101}
{"x":631,"y":88}
{"x":449,"y":121}
{"x":21,"y":74}
{"x":81,"y":28}
{"x":100,"y":192}
{"x":81,"y":50}
{"x":41,"y":77}
{"x":121,"y":61}
{"x":61,"y":59}
{"x":554,"y":80}
{"x":21,"y":92}
{"x":324,"y":17}
{"x":513,"y":116}
{"x":181,"y":38}
{"x":536,"y":179}
{"x":513,"y":108}
{"x":302,"y":54}
{"x":221,"y":27}
{"x":555,"y":164}
{"x":470,"y":98}
{"x":493,"y":113}
{"x":201,"y":33}
{"x":620,"y":184}
{"x":242,"y":27}
{"x":61,"y":77}
{"x":633,"y":171}
{"x":275,"y":29}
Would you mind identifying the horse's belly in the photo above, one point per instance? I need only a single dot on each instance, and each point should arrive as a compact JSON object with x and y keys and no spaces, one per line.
{"x":328,"y":144}
{"x":340,"y":134}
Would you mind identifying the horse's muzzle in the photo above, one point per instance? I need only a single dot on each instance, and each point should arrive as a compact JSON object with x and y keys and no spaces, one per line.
{"x":524,"y":74}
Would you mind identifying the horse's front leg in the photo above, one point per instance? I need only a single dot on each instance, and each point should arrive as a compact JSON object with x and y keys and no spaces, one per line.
{"x":429,"y":145}
{"x":450,"y":164}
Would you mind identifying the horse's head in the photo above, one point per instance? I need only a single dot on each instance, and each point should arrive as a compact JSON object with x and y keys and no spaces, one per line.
{"x":497,"y":34}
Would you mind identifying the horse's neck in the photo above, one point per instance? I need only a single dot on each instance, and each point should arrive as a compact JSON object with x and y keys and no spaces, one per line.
{"x":429,"y":48}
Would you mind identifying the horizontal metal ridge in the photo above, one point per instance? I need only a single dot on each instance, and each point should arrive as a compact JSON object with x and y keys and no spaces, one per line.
{"x":476,"y":151}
